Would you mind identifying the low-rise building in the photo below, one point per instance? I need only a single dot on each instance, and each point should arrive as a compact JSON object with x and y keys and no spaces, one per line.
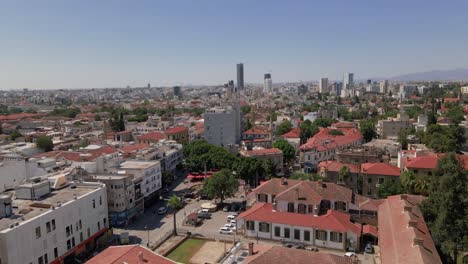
{"x":275,"y":155}
{"x":40,"y":225}
{"x":180,"y":134}
{"x":129,"y":254}
{"x":374,"y":175}
{"x":391,"y":127}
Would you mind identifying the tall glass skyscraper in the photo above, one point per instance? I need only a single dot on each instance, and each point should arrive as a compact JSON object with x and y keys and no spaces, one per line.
{"x":240,"y":76}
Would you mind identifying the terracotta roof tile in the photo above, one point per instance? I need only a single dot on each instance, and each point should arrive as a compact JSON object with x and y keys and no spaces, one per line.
{"x":176,"y":130}
{"x":380,"y":169}
{"x":283,"y":255}
{"x":323,"y":141}
{"x":128,"y":254}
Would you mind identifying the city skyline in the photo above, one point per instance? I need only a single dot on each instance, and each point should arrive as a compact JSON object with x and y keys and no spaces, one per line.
{"x":52,"y":45}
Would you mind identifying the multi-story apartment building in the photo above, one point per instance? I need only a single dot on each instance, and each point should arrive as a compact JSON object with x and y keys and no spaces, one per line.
{"x":275,"y":155}
{"x":150,"y":173}
{"x":390,"y":128}
{"x":223,"y":126}
{"x":40,"y":225}
{"x":180,"y":134}
{"x":124,"y":197}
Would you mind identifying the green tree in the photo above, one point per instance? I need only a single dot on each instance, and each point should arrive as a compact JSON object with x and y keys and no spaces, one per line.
{"x":15,"y":134}
{"x":367,"y":128}
{"x":455,"y":114}
{"x":445,"y":209}
{"x":174,"y":203}
{"x":389,"y":188}
{"x":307,"y":130}
{"x":97,"y":118}
{"x":288,"y":151}
{"x":284,"y":127}
{"x":344,"y":173}
{"x":245,"y":109}
{"x":221,"y":185}
{"x":335,"y":132}
{"x":408,"y":182}
{"x":431,"y":118}
{"x":324,"y":122}
{"x":45,"y":143}
{"x":403,"y":138}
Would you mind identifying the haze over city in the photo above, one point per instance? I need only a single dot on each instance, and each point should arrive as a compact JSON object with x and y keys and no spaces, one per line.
{"x":85,"y":44}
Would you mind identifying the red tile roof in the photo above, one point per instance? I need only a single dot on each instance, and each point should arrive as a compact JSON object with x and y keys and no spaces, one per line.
{"x":323,"y":141}
{"x":284,"y":255}
{"x":128,"y":254}
{"x":152,"y":136}
{"x":369,"y":229}
{"x":17,"y":116}
{"x":133,"y":147}
{"x":332,"y":220}
{"x":79,"y":156}
{"x":176,"y":130}
{"x":380,"y":169}
{"x":263,"y":152}
{"x":258,"y":130}
{"x":335,"y":166}
{"x":430,"y":161}
{"x":403,"y":234}
{"x":314,"y":190}
{"x":294,"y":133}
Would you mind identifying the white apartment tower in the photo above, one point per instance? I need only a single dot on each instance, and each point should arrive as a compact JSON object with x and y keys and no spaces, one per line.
{"x":323,"y":85}
{"x":348,"y":85}
{"x":267,"y":84}
{"x":384,"y":86}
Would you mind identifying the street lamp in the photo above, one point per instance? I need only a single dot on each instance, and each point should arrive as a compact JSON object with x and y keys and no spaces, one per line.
{"x":148,"y":240}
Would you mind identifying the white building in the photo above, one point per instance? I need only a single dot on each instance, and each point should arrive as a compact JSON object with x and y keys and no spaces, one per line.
{"x":149,"y":171}
{"x":223,"y":126}
{"x":323,"y":85}
{"x":267,"y":84}
{"x":348,"y":85}
{"x":311,"y":116}
{"x":42,"y":226}
{"x":384,"y":87}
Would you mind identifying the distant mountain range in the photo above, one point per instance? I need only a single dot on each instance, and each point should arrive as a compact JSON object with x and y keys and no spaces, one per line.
{"x":436,"y":75}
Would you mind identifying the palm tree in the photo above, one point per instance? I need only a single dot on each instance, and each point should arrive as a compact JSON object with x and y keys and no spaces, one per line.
{"x":174,"y":203}
{"x":421,"y":185}
{"x":408,"y":181}
{"x":344,"y":173}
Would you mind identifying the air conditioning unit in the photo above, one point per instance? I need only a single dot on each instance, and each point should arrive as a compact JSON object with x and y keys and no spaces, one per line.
{"x":377,"y":185}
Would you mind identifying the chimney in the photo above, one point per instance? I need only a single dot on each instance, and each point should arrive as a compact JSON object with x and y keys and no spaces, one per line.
{"x":140,"y":257}
{"x":251,"y":248}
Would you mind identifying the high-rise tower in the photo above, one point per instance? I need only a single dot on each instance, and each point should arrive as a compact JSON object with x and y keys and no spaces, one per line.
{"x":240,"y":76}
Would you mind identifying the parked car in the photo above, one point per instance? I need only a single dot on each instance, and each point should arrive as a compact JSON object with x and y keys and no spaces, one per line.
{"x":231,"y":217}
{"x":204,"y":215}
{"x":230,"y":226}
{"x":226,"y":208}
{"x":226,"y":231}
{"x":369,"y":248}
{"x":234,"y":208}
{"x":349,"y":254}
{"x":162,"y":210}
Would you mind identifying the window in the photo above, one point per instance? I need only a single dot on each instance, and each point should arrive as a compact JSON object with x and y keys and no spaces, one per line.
{"x":99,"y":225}
{"x":307,"y":235}
{"x":81,"y":237}
{"x":94,"y":203}
{"x":38,"y":232}
{"x":320,"y":234}
{"x":100,"y":200}
{"x":67,"y":231}
{"x":301,"y":208}
{"x":264,"y":227}
{"x":53,"y":224}
{"x":105,"y":222}
{"x":381,"y":180}
{"x":68,"y":244}
{"x":40,"y":260}
{"x":369,"y":191}
{"x":48,"y":227}
{"x":310,"y":208}
{"x":46,"y":258}
{"x":89,"y":232}
{"x":297,"y":234}
{"x":369,"y":180}
{"x":55,"y":253}
{"x":250,"y":225}
{"x":286,"y":232}
{"x":277,"y":231}
{"x":291,"y":207}
{"x":336,"y":237}
{"x":73,"y":241}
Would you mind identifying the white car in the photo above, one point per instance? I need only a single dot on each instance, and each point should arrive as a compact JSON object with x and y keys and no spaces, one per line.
{"x":231,"y":226}
{"x":349,"y":254}
{"x":226,"y":231}
{"x":231,"y":217}
{"x":233,"y":222}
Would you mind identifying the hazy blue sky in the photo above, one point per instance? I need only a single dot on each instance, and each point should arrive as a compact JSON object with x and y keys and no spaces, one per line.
{"x":89,"y":43}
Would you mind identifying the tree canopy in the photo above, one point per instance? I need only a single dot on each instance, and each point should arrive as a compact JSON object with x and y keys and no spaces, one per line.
{"x":288,"y":151}
{"x":221,"y":185}
{"x":284,"y":127}
{"x":45,"y":143}
{"x":307,"y":130}
{"x":445,"y":209}
{"x":367,"y":128}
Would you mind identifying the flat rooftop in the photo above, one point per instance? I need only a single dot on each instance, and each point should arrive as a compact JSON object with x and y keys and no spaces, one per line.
{"x":138,"y":164}
{"x":24,"y":210}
